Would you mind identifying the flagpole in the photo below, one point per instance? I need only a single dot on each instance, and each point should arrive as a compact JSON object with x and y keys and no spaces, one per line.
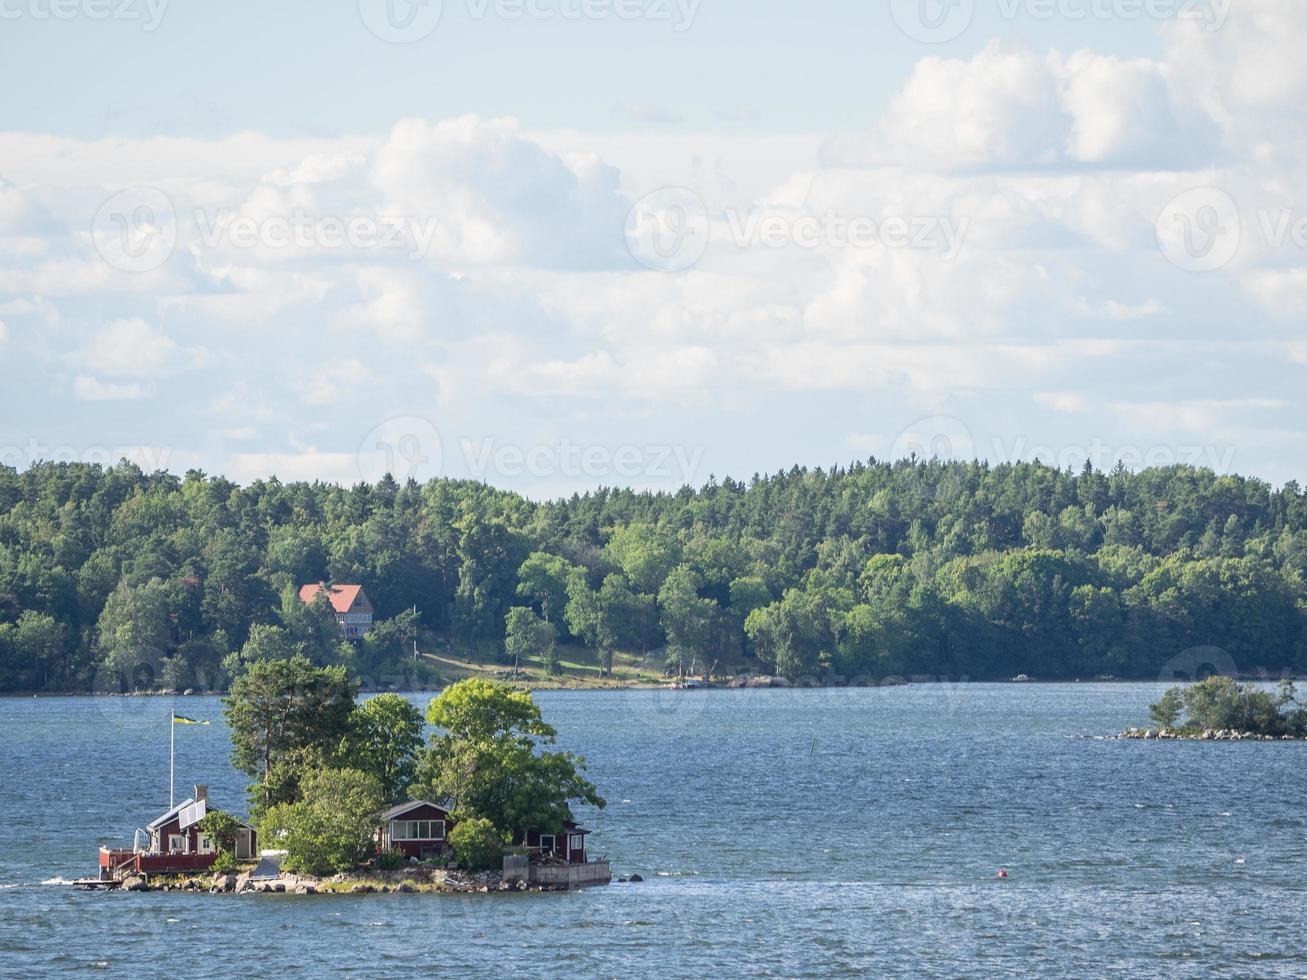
{"x":172,"y":742}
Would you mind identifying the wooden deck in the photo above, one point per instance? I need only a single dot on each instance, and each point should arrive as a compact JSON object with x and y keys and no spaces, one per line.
{"x":572,"y":875}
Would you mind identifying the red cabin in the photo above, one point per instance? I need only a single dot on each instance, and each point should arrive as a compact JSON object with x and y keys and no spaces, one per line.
{"x":567,"y":845}
{"x":418,"y":829}
{"x":174,"y":843}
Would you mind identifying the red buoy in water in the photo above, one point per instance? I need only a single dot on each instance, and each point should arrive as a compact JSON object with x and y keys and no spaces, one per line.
{"x":1002,"y":872}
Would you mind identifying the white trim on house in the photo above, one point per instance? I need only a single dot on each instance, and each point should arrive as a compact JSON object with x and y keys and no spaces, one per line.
{"x":553,"y":842}
{"x":408,"y":831}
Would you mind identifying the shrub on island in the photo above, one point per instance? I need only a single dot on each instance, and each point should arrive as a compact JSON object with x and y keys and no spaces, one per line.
{"x":1221,"y":703}
{"x":478,"y":845}
{"x":331,"y":828}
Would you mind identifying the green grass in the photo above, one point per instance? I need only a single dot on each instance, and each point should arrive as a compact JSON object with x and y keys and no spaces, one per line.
{"x":581,"y":667}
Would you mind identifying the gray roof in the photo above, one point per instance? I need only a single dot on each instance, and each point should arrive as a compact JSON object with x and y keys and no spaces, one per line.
{"x":158,"y":822}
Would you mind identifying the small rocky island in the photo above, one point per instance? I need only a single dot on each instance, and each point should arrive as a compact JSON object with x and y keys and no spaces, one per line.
{"x":407,"y":881}
{"x":1221,"y":709}
{"x":351,"y":798}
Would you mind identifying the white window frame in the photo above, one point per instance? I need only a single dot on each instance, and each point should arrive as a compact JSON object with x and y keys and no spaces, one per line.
{"x":176,"y":843}
{"x":411,"y":830}
{"x":576,"y":842}
{"x":204,"y":845}
{"x":553,"y":842}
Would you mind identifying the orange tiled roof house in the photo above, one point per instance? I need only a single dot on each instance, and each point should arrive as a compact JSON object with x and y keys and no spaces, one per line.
{"x":350,"y":603}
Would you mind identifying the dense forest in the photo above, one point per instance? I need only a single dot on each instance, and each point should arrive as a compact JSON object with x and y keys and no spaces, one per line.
{"x":112,"y":578}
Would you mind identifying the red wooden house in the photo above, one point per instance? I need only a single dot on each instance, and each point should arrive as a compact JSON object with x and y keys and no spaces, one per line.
{"x":174,"y":844}
{"x":418,"y":829}
{"x":567,"y":845}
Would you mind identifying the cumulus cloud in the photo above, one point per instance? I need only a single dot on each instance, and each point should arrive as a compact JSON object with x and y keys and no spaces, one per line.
{"x":1190,"y":416}
{"x":500,"y":197}
{"x":1050,"y":170}
{"x":132,"y":348}
{"x":1069,"y":402}
{"x":1009,"y":107}
{"x":86,"y":389}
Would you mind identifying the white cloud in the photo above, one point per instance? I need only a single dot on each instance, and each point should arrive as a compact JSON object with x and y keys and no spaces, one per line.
{"x":87,"y":389}
{"x":134,"y":349}
{"x":500,"y":197}
{"x":1197,"y":415}
{"x":332,"y":381}
{"x":1058,"y":164}
{"x":1280,"y":292}
{"x":1008,"y":107}
{"x":1068,"y":402}
{"x":1115,"y":310}
{"x":396,"y":303}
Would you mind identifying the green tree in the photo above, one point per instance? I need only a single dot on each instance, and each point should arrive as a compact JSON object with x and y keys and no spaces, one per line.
{"x":384,"y":738}
{"x":133,"y":631}
{"x":264,"y":643}
{"x":280,"y":712}
{"x":489,"y":757}
{"x":528,"y":636}
{"x":331,"y":828}
{"x":477,"y":844}
{"x":221,"y":828}
{"x":544,"y":578}
{"x":1166,"y":712}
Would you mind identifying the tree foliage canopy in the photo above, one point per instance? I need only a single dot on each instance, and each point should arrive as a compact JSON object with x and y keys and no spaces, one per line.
{"x":489,"y":759}
{"x":111,"y":578}
{"x":331,"y":827}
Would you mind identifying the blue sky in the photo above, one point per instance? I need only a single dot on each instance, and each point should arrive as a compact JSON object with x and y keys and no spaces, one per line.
{"x":559,"y":243}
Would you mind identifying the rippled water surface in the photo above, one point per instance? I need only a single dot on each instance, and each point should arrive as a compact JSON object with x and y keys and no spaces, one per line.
{"x":781,"y":833}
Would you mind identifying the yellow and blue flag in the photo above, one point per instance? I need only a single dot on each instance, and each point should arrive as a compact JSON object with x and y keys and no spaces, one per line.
{"x":183,"y":720}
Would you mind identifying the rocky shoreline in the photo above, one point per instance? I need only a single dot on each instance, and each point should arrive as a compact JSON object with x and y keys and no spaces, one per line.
{"x":1206,"y":735}
{"x":404,"y":882}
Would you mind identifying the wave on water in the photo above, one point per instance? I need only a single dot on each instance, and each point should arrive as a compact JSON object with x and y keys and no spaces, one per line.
{"x":48,"y":881}
{"x":678,"y":874}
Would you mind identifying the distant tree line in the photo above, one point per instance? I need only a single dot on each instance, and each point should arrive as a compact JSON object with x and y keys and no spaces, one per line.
{"x":113,"y":578}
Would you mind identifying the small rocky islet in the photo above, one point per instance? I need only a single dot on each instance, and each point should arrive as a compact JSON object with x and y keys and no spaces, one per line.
{"x":1206,"y":735}
{"x":404,"y":882}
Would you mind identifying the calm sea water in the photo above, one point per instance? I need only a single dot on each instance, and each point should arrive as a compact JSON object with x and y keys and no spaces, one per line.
{"x":780,"y":833}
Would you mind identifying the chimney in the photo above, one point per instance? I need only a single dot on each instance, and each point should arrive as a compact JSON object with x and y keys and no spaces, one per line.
{"x":201,"y":793}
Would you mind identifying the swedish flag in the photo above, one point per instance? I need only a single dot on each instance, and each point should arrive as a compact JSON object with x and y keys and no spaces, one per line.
{"x":183,"y":720}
